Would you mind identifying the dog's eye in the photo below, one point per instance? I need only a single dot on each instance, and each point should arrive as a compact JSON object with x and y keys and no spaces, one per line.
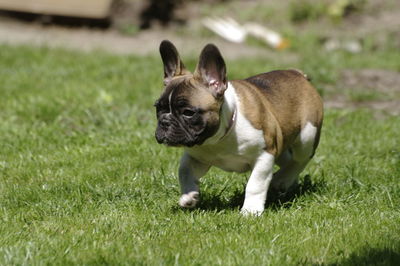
{"x":188,"y":112}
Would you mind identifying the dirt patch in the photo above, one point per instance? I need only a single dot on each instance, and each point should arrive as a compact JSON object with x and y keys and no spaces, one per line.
{"x":380,"y":80}
{"x":377,"y":89}
{"x":384,"y":107}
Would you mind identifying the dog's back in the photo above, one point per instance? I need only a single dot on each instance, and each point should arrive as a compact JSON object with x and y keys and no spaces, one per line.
{"x":292,"y":102}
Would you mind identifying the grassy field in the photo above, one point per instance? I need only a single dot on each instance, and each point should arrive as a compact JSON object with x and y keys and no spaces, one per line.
{"x":83,"y":181}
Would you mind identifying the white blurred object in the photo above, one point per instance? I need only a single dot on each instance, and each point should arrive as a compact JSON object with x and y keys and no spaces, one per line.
{"x":227,"y":28}
{"x":351,"y":46}
{"x":231,"y":30}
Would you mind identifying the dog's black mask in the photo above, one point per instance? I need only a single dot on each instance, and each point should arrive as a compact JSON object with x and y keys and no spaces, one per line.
{"x":188,"y":110}
{"x":179,"y":123}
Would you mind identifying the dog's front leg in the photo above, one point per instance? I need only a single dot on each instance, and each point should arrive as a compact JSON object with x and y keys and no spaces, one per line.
{"x":190,"y":171}
{"x":257,"y":186}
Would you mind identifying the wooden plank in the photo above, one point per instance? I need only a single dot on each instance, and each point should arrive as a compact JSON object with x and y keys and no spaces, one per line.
{"x":76,"y":8}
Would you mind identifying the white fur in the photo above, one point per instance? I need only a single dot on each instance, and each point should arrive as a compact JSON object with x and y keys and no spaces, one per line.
{"x":308,"y":133}
{"x":241,"y":150}
{"x":307,"y":139}
{"x":169,"y":101}
{"x":258,"y":184}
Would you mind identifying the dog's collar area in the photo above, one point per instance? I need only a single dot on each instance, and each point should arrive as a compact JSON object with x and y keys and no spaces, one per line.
{"x":230,"y":124}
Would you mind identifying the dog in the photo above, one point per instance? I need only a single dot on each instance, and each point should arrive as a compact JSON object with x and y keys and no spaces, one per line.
{"x":241,"y":125}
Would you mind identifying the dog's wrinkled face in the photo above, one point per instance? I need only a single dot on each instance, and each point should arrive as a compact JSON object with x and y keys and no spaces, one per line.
{"x":187,"y":113}
{"x":188,"y":109}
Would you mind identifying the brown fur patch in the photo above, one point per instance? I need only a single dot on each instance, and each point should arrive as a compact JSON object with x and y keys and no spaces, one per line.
{"x":280,"y":103}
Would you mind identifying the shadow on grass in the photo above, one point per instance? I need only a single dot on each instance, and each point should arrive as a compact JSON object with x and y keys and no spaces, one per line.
{"x":368,"y":256}
{"x":275,"y":200}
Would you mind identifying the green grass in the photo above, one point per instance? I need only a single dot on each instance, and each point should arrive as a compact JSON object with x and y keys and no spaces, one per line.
{"x":83,"y":181}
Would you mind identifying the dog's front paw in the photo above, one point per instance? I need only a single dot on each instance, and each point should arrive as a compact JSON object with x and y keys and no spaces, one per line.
{"x":251,"y":212}
{"x":252,"y":209}
{"x":189,"y":200}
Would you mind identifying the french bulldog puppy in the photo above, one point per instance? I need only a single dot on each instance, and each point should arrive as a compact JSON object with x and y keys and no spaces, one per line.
{"x":241,"y":125}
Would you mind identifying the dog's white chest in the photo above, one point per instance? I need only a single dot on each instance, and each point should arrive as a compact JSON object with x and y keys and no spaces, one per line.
{"x":237,"y":152}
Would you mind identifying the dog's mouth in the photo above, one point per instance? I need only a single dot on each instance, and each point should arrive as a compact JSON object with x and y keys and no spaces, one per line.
{"x":177,"y":144}
{"x":175,"y":134}
{"x":176,"y":141}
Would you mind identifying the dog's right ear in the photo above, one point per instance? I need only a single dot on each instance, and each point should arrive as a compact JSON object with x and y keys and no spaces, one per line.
{"x":173,"y":65}
{"x":211,"y":70}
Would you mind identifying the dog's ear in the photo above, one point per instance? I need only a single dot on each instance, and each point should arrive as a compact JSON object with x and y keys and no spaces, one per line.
{"x":211,"y":70}
{"x":173,"y":65}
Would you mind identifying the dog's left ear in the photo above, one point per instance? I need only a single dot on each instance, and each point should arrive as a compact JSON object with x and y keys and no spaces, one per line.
{"x":211,"y":70}
{"x":173,"y":65}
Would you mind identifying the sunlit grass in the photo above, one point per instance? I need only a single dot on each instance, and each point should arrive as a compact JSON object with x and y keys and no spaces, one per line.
{"x":82,"y":180}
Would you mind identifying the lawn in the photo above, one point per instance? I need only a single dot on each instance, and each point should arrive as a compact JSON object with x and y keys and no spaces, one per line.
{"x":83,"y":181}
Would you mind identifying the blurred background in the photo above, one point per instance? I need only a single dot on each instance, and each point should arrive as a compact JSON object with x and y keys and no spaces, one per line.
{"x":331,"y":40}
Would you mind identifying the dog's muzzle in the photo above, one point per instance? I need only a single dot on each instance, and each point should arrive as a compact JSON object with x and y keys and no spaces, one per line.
{"x":172,"y":133}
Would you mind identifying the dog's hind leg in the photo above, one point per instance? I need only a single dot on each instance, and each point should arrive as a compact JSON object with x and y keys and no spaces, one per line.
{"x":293,"y":161}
